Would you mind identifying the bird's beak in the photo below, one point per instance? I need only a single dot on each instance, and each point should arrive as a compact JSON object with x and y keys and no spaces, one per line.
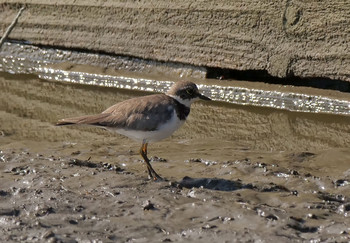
{"x":203,"y":97}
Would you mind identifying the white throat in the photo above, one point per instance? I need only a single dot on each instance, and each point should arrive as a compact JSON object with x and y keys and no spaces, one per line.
{"x":186,"y":102}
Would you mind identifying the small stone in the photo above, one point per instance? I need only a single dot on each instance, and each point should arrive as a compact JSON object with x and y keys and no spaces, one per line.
{"x":208,"y":226}
{"x":271,"y":217}
{"x":48,"y":234}
{"x":294,"y":193}
{"x":147,"y":205}
{"x":73,"y":221}
{"x":76,"y":152}
{"x":157,"y":159}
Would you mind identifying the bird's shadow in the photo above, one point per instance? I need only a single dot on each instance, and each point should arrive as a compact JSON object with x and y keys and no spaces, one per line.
{"x":213,"y":184}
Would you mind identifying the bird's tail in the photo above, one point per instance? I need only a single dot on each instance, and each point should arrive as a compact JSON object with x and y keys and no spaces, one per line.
{"x":83,"y":120}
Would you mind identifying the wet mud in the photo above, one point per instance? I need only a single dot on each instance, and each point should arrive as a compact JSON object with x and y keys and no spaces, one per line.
{"x":61,"y":193}
{"x":285,"y":180}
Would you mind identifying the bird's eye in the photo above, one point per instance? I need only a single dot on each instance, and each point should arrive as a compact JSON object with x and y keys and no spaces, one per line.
{"x":189,"y":91}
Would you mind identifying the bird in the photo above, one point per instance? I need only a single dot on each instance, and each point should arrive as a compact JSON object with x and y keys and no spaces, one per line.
{"x":146,"y":119}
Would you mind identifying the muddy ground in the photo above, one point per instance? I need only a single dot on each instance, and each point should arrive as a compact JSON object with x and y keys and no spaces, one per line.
{"x":68,"y":184}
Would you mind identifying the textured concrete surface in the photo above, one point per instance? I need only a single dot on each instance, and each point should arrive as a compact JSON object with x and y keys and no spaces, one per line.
{"x":303,"y":38}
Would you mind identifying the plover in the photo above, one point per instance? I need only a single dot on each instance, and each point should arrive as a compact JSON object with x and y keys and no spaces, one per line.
{"x":146,"y":119}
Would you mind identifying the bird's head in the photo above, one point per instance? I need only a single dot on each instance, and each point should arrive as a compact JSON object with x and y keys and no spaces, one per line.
{"x":186,"y":93}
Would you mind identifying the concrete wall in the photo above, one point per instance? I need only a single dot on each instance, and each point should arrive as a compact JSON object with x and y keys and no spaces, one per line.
{"x":306,"y":38}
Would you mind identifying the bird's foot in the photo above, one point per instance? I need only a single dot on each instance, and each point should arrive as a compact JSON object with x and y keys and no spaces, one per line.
{"x":155,"y":177}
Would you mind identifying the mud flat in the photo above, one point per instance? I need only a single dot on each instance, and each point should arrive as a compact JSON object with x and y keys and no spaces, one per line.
{"x":243,"y":174}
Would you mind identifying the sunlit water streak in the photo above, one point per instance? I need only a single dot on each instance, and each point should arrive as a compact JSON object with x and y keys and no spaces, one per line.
{"x":21,"y":62}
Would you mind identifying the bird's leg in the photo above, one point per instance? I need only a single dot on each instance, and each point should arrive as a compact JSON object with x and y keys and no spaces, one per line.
{"x":143,"y":152}
{"x":151,"y":171}
{"x":144,"y":148}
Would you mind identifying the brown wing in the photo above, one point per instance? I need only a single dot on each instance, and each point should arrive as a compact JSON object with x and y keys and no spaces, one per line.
{"x":141,"y":113}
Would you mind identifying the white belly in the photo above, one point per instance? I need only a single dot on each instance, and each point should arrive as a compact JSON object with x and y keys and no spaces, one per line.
{"x":162,"y":132}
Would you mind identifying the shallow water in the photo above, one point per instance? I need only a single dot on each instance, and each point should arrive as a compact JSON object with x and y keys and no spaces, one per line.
{"x":56,"y":65}
{"x":243,"y":172}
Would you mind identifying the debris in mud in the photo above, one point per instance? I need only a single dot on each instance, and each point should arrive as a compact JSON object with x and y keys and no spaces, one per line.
{"x":281,"y":174}
{"x":43,"y":211}
{"x":262,"y":213}
{"x":193,"y":160}
{"x":312,"y":216}
{"x":341,"y":182}
{"x":76,"y":152}
{"x":272,"y":187}
{"x":147,"y":205}
{"x":261,"y":165}
{"x":4,"y":193}
{"x":271,"y":217}
{"x":211,"y":183}
{"x":78,"y":208}
{"x":226,"y":219}
{"x":208,"y":226}
{"x":285,"y":173}
{"x":18,"y":190}
{"x":157,"y":159}
{"x":294,"y":172}
{"x":9,"y":212}
{"x":344,"y":209}
{"x":302,"y":228}
{"x":299,"y":220}
{"x":21,"y":170}
{"x":89,"y":164}
{"x":2,"y":157}
{"x":199,"y":160}
{"x":48,"y":235}
{"x":336,"y":203}
{"x":328,"y":197}
{"x":83,"y":163}
{"x":109,"y":166}
{"x":299,"y":225}
{"x":301,"y":157}
{"x":222,"y":219}
{"x":73,"y":221}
